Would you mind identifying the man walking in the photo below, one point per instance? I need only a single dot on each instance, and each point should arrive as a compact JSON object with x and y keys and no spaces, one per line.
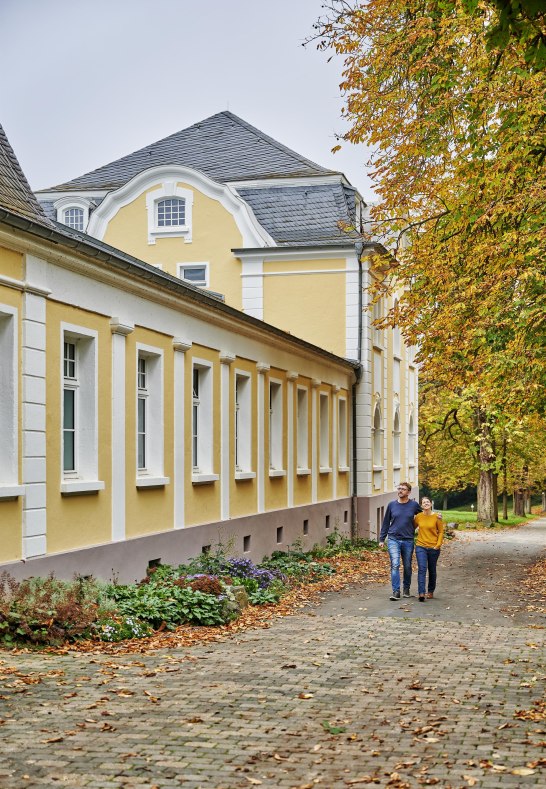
{"x":399,"y":528}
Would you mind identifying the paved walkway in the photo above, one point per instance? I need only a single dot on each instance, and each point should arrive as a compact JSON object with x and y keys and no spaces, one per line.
{"x":355,"y":692}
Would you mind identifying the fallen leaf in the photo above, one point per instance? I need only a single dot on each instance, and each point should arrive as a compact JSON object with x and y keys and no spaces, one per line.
{"x":364,"y":779}
{"x":471,"y":781}
{"x":53,"y":739}
{"x":523,"y":771}
{"x":305,"y":695}
{"x":253,"y":781}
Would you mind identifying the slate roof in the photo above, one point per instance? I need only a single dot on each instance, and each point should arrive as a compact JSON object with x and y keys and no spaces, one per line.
{"x":224,"y":147}
{"x":304,"y":215}
{"x":15,"y":192}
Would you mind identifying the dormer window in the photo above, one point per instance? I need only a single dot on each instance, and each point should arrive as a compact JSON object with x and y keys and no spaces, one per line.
{"x":73,"y":217}
{"x":73,"y":212}
{"x":169,"y":212}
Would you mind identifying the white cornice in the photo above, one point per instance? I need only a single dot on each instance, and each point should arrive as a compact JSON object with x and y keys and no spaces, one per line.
{"x":252,"y":232}
{"x":266,"y":183}
{"x":279,"y":254}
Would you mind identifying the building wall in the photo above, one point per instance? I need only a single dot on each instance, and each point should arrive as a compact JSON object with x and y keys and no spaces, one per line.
{"x":54,"y":518}
{"x":214,"y":234}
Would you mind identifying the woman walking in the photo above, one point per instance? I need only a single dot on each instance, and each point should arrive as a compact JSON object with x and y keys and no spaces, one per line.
{"x":430,"y":535}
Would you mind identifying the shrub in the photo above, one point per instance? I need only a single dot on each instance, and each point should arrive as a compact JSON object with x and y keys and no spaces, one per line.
{"x":47,"y":610}
{"x":297,"y":565}
{"x":161,"y":602}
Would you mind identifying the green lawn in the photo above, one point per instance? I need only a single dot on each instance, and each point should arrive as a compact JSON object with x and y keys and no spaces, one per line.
{"x":463,"y":516}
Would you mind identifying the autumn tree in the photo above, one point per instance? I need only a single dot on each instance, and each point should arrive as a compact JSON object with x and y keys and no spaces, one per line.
{"x":456,"y":120}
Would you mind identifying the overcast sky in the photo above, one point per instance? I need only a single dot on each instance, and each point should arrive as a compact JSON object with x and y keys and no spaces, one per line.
{"x":87,"y":81}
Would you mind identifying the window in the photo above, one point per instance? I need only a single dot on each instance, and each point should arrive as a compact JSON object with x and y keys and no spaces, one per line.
{"x":202,"y":427}
{"x":196,"y":273}
{"x":171,"y":212}
{"x":79,"y":461}
{"x":73,"y":217}
{"x":275,"y":428}
{"x":396,"y":343}
{"x":73,"y":212}
{"x":9,"y":466}
{"x":411,"y":441}
{"x":324,"y":432}
{"x":342,"y":434}
{"x":377,"y":438}
{"x":302,"y":418}
{"x":142,"y":420}
{"x":149,"y":417}
{"x":243,"y":422}
{"x":377,"y":315}
{"x":69,"y":407}
{"x":396,"y":438}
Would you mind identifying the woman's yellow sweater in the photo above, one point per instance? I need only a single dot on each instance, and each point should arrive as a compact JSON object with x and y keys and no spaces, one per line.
{"x":431,"y":530}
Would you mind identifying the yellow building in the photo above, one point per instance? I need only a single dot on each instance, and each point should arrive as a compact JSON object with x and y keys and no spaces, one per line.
{"x":232,"y":383}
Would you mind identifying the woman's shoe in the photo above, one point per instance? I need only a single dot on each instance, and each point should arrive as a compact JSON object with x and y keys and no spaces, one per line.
{"x":430,"y":595}
{"x":422,"y":598}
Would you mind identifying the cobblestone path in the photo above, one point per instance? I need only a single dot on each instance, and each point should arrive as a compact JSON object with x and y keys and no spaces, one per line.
{"x":332,"y":697}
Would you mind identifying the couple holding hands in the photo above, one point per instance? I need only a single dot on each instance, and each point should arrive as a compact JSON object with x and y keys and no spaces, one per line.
{"x":402,"y":518}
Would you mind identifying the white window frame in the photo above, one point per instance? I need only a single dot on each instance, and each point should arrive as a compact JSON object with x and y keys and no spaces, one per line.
{"x":302,"y":435}
{"x":83,"y":478}
{"x":276,"y":428}
{"x":202,"y":428}
{"x":377,"y":313}
{"x":66,"y":203}
{"x":9,"y":419}
{"x":169,"y":190}
{"x":183,"y":266}
{"x":243,"y":424}
{"x":342,"y":434}
{"x":152,"y":394}
{"x":324,"y":433}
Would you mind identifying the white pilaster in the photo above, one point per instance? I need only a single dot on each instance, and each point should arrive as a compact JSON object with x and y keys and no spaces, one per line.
{"x":261,"y":369}
{"x":120,"y":330}
{"x":180,"y":347}
{"x":34,"y":425}
{"x":315,"y":383}
{"x":352,"y":304}
{"x":253,"y":286}
{"x":226,"y":359}
{"x":291,"y":377}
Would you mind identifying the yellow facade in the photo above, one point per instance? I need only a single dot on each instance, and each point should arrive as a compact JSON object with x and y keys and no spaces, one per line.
{"x":311,"y":306}
{"x":76,"y":521}
{"x":11,"y":263}
{"x":214,"y":234}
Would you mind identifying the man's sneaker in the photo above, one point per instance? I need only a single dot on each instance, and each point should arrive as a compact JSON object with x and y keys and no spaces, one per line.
{"x":406,"y":593}
{"x":395,"y":596}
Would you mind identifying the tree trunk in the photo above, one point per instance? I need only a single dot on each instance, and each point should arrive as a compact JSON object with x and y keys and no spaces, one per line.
{"x":487,"y":487}
{"x":445,"y":501}
{"x":486,"y":498}
{"x":519,"y":508}
{"x":504,"y":480}
{"x":496,"y":496}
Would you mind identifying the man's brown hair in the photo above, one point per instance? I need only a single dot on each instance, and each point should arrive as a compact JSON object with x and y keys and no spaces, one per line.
{"x":407,"y":485}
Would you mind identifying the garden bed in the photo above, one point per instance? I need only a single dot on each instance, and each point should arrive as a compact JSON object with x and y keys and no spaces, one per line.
{"x":208,"y":599}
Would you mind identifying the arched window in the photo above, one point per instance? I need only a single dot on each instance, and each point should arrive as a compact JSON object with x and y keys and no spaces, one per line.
{"x":171,"y":212}
{"x":411,"y":441}
{"x":396,"y":438}
{"x":73,"y":217}
{"x":377,"y":437}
